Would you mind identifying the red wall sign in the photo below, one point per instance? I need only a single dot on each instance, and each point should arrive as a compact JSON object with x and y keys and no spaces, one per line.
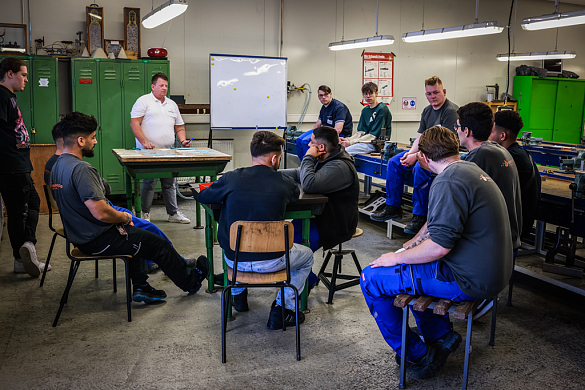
{"x":379,"y":68}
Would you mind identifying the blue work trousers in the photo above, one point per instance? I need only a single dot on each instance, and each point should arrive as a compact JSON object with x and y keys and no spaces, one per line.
{"x":303,"y":143}
{"x":395,"y":185}
{"x":380,"y":286}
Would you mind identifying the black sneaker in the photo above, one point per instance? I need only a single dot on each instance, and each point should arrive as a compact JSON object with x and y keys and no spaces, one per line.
{"x":147,"y":294}
{"x":418,"y":221}
{"x":390,"y":212}
{"x":430,"y":364}
{"x":202,"y":267}
{"x":275,"y":319}
{"x":152,"y":266}
{"x":449,"y":342}
{"x":240,"y":301}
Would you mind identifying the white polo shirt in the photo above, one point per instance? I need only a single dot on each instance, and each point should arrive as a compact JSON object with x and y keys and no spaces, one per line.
{"x":158,"y":120}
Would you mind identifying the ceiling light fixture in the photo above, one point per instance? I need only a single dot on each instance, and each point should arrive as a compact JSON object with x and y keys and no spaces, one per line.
{"x":377,"y":40}
{"x":468,"y":30}
{"x":554,"y":20}
{"x":544,"y":55}
{"x":169,"y":10}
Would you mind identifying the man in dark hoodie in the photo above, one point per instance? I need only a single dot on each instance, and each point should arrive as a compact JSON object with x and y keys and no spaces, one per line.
{"x":329,"y":170}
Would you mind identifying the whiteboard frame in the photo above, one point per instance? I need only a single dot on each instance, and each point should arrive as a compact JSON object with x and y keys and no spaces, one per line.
{"x":212,"y":127}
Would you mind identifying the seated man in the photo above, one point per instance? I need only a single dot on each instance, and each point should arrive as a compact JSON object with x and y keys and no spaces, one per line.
{"x":458,"y":260}
{"x":329,"y":170}
{"x":440,"y":112}
{"x":374,"y":117}
{"x":97,"y":228}
{"x":507,"y":125}
{"x":260,"y":193}
{"x":137,"y":222}
{"x":333,"y":114}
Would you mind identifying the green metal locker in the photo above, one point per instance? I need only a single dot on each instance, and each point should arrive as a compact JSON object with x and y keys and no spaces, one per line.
{"x":44,"y":80}
{"x":568,"y":124}
{"x":133,"y":87}
{"x":111,"y":134}
{"x":24,"y":98}
{"x":542,"y":108}
{"x":153,"y":67}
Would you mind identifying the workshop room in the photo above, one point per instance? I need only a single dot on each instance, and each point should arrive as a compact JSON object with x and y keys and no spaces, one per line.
{"x":278,"y":194}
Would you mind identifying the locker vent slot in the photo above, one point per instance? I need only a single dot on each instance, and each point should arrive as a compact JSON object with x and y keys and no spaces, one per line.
{"x":110,"y":74}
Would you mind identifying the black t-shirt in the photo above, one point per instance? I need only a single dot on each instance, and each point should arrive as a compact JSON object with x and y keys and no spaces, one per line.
{"x":256,"y":193}
{"x":497,"y":162}
{"x":468,"y":214}
{"x":72,"y":182}
{"x":14,"y":138}
{"x":529,"y":185}
{"x":49,"y":167}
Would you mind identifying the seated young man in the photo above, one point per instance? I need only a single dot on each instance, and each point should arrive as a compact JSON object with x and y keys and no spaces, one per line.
{"x":507,"y":126}
{"x":456,"y":260}
{"x":333,"y":114}
{"x":374,"y":117}
{"x":95,"y":227}
{"x":260,"y":193}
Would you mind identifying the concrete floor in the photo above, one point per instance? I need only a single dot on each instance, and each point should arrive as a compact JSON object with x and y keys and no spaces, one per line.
{"x":540,"y":342}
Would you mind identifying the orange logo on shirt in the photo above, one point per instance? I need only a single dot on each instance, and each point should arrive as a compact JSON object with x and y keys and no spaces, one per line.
{"x":507,"y":163}
{"x":55,"y":186}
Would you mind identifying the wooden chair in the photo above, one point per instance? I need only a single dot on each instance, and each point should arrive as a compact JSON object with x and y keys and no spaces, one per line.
{"x":76,"y":257}
{"x":259,"y":237}
{"x":463,"y":310}
{"x":332,"y":285}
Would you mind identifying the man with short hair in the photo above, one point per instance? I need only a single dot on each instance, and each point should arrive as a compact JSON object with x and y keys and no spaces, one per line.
{"x":507,"y":126}
{"x":457,"y":260}
{"x":260,"y":193}
{"x":333,"y":114}
{"x":440,"y":112}
{"x":95,"y":227}
{"x":155,"y":120}
{"x":16,"y":185}
{"x":374,"y":117}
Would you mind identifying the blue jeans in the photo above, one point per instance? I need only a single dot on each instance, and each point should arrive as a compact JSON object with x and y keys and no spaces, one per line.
{"x":301,"y":262}
{"x":381,"y":285}
{"x":303,"y":143}
{"x":395,"y":185}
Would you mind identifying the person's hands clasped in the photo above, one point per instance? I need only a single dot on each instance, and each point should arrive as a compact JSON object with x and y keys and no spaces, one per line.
{"x":409,"y":159}
{"x":344,"y":142}
{"x":386,"y":260}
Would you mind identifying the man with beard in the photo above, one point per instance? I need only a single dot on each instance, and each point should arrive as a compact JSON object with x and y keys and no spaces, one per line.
{"x":95,"y":227}
{"x":260,"y":193}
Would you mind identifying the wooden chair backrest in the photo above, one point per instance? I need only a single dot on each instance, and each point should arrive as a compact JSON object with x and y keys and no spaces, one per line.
{"x":50,"y":200}
{"x":261,"y":236}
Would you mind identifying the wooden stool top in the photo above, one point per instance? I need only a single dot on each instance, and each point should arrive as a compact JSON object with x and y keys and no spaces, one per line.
{"x":358,"y":232}
{"x":440,"y":306}
{"x":257,"y":277}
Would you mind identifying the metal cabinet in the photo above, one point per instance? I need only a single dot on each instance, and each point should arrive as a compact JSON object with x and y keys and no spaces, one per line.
{"x":551,"y":108}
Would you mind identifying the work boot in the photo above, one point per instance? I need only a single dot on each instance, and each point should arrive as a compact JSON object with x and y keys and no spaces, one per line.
{"x":202,"y":269}
{"x":429,"y":365}
{"x":240,"y":301}
{"x":418,"y":221}
{"x":275,"y":319}
{"x":389,"y":212}
{"x":146,"y":293}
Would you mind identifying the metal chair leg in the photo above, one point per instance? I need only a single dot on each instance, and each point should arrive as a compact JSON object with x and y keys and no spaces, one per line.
{"x":48,"y":259}
{"x":511,"y":285}
{"x":494,"y":312}
{"x":357,"y":263}
{"x":298,"y":331}
{"x":72,"y":273}
{"x":223,"y":321}
{"x":467,"y":349}
{"x":336,"y":263}
{"x":324,"y":266}
{"x":283,"y":306}
{"x":96,"y":269}
{"x":403,"y":347}
{"x":128,"y":289}
{"x":114,"y":275}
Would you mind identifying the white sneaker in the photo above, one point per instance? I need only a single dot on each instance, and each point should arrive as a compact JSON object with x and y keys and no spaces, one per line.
{"x":146,"y":216}
{"x":28,"y":254}
{"x":178,"y":217}
{"x":19,"y":267}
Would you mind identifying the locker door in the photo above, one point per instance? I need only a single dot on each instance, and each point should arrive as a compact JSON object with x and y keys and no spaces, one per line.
{"x":542,"y":108}
{"x":134,"y":79}
{"x":45,"y":94}
{"x":153,"y":67}
{"x":111,"y":133}
{"x":569,"y":112}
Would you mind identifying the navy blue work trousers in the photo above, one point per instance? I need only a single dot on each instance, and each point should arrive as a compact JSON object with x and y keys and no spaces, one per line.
{"x":395,"y":185}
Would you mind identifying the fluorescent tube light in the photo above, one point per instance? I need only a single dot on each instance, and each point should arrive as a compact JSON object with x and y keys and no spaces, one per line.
{"x":545,"y":55}
{"x":169,"y":10}
{"x":554,"y":20}
{"x":379,"y":40}
{"x":468,"y":30}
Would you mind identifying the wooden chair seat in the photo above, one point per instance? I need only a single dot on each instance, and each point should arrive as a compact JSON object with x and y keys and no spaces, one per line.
{"x":60,"y":231}
{"x":78,"y":254}
{"x":258,"y":278}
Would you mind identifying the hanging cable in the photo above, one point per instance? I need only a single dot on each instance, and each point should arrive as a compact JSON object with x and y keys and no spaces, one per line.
{"x":509,"y":52}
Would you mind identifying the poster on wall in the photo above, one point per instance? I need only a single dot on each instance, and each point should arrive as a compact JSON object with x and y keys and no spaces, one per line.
{"x":379,"y":69}
{"x":95,"y":28}
{"x":132,"y":32}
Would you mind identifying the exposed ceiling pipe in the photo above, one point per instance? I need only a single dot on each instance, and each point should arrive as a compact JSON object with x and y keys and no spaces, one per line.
{"x":22,"y":8}
{"x":281,"y":27}
{"x":29,"y":29}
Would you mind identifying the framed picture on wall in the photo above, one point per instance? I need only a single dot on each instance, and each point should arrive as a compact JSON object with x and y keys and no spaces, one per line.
{"x":132,"y":32}
{"x":113,"y":46}
{"x":13,"y":39}
{"x":95,"y":28}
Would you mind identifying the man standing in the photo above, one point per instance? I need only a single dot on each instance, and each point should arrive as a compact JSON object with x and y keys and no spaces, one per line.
{"x":16,"y":185}
{"x":155,"y":120}
{"x":333,"y":114}
{"x":440,"y":112}
{"x":95,"y":227}
{"x":260,"y":193}
{"x":374,"y":117}
{"x":507,"y":125}
{"x":458,"y":260}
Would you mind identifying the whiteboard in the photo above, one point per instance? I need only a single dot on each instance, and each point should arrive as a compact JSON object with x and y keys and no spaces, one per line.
{"x":247,"y":92}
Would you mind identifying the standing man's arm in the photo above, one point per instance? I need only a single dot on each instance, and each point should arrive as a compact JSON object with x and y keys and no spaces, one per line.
{"x":180,"y":131}
{"x":137,"y":131}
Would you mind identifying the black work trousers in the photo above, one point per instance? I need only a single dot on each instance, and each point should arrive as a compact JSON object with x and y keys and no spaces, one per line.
{"x":22,"y":205}
{"x":142,"y":245}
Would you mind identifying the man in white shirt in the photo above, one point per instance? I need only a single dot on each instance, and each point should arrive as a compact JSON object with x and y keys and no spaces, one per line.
{"x":155,"y":120}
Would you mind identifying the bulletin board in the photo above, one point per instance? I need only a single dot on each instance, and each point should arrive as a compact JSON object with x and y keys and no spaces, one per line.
{"x":247,"y":92}
{"x":379,"y":69}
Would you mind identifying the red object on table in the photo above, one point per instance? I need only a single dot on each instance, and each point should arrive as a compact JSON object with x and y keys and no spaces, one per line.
{"x":203,"y":186}
{"x":157,"y":52}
